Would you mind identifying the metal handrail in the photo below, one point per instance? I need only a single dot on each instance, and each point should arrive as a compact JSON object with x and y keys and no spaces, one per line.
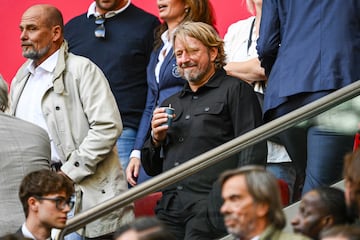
{"x":211,"y":157}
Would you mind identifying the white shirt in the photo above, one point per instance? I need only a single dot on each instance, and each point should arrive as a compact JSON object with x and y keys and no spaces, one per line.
{"x":27,"y":234}
{"x":92,"y":10}
{"x":236,"y":49}
{"x":236,"y":41}
{"x":167,"y":40}
{"x":29,"y":105}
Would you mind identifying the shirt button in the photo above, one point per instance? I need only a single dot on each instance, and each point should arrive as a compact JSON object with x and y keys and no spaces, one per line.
{"x":206,"y":109}
{"x":57,"y":108}
{"x":103,"y":191}
{"x":187,"y":117}
{"x":195,"y":97}
{"x":180,"y":188}
{"x":77,"y":164}
{"x":176,"y":164}
{"x":181,"y":139}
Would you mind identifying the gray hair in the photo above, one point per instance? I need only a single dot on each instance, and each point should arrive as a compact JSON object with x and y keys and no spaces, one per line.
{"x":3,"y":94}
{"x":263,"y":188}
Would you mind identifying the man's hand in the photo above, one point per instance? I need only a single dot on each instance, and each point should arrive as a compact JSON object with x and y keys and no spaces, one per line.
{"x":158,"y":130}
{"x":132,"y":171}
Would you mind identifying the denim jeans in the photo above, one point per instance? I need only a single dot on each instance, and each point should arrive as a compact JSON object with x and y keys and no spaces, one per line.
{"x":125,"y":145}
{"x":326,"y":152}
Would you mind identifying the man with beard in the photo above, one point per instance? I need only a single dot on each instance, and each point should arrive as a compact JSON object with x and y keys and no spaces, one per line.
{"x":211,"y":109}
{"x":252,"y":206}
{"x":69,"y":97}
{"x":352,"y":183}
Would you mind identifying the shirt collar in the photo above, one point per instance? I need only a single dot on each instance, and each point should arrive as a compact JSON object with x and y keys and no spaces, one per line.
{"x":48,"y":65}
{"x":26,"y":232}
{"x":214,"y":82}
{"x":167,"y":36}
{"x":92,"y":10}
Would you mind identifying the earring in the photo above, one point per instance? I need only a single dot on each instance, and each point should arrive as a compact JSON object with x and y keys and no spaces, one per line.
{"x":187,"y":10}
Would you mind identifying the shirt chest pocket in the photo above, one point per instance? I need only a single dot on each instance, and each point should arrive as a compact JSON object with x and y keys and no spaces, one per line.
{"x":209,"y":119}
{"x":209,"y":109}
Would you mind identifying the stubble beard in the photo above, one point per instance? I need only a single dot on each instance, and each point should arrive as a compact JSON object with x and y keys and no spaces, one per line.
{"x":194,"y":77}
{"x":36,"y":54}
{"x":241,"y":232}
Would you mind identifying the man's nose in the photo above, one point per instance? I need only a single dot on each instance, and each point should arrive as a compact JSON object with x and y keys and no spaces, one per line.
{"x":295,"y":221}
{"x":183,"y":58}
{"x":224,"y":208}
{"x":23,"y":35}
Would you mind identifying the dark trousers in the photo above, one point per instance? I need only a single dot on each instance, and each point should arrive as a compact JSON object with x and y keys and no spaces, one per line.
{"x":188,"y":222}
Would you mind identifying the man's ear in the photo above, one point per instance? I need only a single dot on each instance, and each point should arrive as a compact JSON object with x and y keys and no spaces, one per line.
{"x":213,"y":53}
{"x":56,"y":31}
{"x":33,"y":204}
{"x":327,"y":221}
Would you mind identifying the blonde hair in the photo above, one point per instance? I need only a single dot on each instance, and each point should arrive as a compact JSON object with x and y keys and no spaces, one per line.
{"x":205,"y":34}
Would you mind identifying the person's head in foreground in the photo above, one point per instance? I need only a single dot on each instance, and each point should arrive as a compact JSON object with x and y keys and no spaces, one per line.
{"x":319,"y":209}
{"x":251,"y":202}
{"x":352,"y":183}
{"x":46,"y":200}
{"x":144,"y":228}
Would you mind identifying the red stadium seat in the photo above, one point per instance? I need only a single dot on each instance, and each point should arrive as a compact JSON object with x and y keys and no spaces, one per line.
{"x":145,"y":206}
{"x":284,"y":192}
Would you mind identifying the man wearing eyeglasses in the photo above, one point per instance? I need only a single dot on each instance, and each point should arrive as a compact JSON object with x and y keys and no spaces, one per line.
{"x":46,"y":200}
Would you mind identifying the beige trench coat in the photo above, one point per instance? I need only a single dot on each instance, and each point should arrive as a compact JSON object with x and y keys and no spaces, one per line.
{"x":84,"y":122}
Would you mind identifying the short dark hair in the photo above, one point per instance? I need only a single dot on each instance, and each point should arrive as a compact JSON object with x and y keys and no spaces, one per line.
{"x":333,"y":201}
{"x":43,"y":182}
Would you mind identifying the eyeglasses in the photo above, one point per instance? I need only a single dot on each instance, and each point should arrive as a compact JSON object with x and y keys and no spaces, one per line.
{"x":60,"y":202}
{"x":100,"y":29}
